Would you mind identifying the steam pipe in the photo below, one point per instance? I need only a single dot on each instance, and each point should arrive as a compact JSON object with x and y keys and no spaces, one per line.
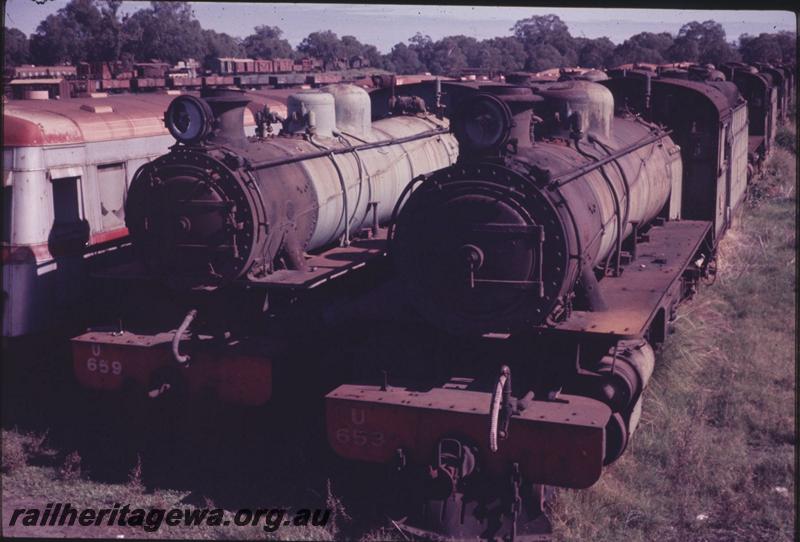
{"x":344,"y":150}
{"x":576,"y":173}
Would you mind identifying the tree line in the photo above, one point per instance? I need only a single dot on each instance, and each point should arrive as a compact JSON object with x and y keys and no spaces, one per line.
{"x":93,"y":30}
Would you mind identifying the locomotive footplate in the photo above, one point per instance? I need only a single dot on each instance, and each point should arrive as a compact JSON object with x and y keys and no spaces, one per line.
{"x":236,"y":372}
{"x":326,"y":265}
{"x":649,"y":283}
{"x":319,"y":268}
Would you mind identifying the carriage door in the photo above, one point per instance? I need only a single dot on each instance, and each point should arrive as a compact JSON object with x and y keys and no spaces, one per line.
{"x":773,"y":113}
{"x":727,"y":170}
{"x":723,"y":187}
{"x":69,"y":235}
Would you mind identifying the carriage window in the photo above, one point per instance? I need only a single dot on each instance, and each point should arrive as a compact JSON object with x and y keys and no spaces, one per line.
{"x":6,"y":214}
{"x":66,"y":201}
{"x":111,"y":183}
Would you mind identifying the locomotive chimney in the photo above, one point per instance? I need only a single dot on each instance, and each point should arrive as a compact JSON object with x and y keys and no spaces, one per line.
{"x":496,"y":120}
{"x":520,"y":100}
{"x":227,"y":105}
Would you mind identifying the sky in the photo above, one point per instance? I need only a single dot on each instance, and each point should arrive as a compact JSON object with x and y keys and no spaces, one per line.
{"x":386,"y":25}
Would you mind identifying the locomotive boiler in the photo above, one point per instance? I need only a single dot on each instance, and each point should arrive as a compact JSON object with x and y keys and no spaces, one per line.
{"x":219,"y":207}
{"x":513,"y":237}
{"x":223,"y":220}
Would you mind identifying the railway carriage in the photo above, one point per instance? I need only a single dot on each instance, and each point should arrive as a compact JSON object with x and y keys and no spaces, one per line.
{"x":67,"y":166}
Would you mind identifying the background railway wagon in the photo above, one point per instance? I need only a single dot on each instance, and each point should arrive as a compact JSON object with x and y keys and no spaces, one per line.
{"x":183,"y":81}
{"x":151,"y":69}
{"x":282,"y":65}
{"x":781,"y":79}
{"x":288,"y":79}
{"x":106,"y":85}
{"x":38,"y":88}
{"x":67,"y":165}
{"x":790,"y":71}
{"x":710,"y":125}
{"x":222,"y":66}
{"x":762,"y":102}
{"x":243,"y":65}
{"x":215,"y":80}
{"x":148,"y":83}
{"x":264,"y":66}
{"x":252,"y":79}
{"x":33,"y":72}
{"x":94,"y":70}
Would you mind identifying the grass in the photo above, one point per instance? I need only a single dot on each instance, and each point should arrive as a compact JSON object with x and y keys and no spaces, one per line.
{"x":34,"y":475}
{"x":713,"y":458}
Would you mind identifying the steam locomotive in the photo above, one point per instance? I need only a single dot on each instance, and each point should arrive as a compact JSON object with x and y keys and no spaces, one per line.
{"x":547,"y":231}
{"x":63,"y":208}
{"x":578,"y":216}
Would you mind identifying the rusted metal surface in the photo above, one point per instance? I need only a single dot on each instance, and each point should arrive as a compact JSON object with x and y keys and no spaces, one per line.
{"x":761,"y":101}
{"x":562,"y":186}
{"x":647,"y":285}
{"x":46,"y":252}
{"x":555,"y":442}
{"x":756,"y":144}
{"x":328,"y":264}
{"x":52,"y":122}
{"x":235,"y":373}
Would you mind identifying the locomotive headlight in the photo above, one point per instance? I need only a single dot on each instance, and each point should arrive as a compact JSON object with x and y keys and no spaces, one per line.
{"x":189,"y":119}
{"x":483,"y":123}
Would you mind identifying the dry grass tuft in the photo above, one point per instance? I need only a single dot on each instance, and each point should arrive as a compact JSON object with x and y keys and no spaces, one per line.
{"x":21,"y":449}
{"x":338,"y":512}
{"x":135,"y":476}
{"x":14,"y":454}
{"x":780,"y":172}
{"x":70,"y":471}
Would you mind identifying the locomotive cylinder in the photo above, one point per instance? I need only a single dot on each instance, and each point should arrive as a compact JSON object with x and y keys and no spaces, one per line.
{"x":213,"y":213}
